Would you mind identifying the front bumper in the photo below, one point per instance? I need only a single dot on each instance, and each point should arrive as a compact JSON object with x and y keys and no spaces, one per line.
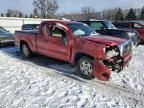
{"x":6,"y":40}
{"x":103,"y":71}
{"x":126,"y":59}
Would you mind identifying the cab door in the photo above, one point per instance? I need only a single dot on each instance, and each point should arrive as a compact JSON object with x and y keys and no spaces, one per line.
{"x":55,"y":42}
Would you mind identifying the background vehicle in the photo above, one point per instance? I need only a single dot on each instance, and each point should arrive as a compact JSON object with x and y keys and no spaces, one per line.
{"x":135,"y":25}
{"x":6,"y":37}
{"x":30,"y":26}
{"x":74,"y":42}
{"x":107,"y":28}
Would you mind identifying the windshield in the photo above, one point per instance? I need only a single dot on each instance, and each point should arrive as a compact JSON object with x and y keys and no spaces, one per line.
{"x":2,"y":30}
{"x":109,"y":25}
{"x":80,"y":29}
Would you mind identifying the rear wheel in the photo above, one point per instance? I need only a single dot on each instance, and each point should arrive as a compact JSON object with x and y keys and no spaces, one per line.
{"x":25,"y":50}
{"x":85,"y":66}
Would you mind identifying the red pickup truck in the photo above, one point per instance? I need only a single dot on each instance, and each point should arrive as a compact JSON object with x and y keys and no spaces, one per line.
{"x":74,"y":42}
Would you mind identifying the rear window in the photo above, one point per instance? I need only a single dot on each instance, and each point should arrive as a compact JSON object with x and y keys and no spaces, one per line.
{"x":30,"y":27}
{"x":122,"y":25}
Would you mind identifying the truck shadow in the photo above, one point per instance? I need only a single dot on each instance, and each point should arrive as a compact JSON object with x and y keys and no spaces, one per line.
{"x":58,"y":66}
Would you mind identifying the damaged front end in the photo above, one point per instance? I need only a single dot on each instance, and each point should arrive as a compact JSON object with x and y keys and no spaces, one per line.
{"x":115,"y":56}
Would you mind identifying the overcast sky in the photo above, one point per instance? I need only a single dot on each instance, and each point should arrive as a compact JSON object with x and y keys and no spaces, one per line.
{"x":72,"y":5}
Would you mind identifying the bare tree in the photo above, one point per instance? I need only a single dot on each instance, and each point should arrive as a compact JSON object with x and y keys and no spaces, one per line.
{"x":71,"y":16}
{"x":109,"y":14}
{"x":88,"y":13}
{"x":46,"y":8}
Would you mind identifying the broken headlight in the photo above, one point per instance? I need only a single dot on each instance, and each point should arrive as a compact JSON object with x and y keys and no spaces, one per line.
{"x":111,"y":52}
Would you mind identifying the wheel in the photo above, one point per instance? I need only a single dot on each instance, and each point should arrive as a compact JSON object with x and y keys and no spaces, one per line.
{"x":85,"y":66}
{"x":25,"y":50}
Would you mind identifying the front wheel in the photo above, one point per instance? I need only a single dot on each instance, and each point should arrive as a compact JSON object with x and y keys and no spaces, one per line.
{"x":85,"y":66}
{"x":25,"y":50}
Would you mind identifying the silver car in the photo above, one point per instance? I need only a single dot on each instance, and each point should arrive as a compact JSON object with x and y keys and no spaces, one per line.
{"x":6,"y":37}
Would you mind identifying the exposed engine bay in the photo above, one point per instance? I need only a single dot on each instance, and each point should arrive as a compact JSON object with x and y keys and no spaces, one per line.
{"x":114,"y":59}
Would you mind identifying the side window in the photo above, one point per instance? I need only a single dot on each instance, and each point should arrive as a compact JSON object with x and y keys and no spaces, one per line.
{"x":125,"y":25}
{"x":97,"y":25}
{"x":58,"y":32}
{"x":137,"y":26}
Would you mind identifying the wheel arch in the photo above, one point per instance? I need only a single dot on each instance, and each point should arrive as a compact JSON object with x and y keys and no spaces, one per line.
{"x":23,"y":42}
{"x":80,"y":55}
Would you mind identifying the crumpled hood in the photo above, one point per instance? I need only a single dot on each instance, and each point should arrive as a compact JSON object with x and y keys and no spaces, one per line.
{"x":107,"y":40}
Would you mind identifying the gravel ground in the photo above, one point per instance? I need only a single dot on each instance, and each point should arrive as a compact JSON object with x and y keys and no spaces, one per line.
{"x":46,"y":83}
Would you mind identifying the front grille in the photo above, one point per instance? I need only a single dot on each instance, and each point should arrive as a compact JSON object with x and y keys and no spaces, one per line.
{"x":125,"y":47}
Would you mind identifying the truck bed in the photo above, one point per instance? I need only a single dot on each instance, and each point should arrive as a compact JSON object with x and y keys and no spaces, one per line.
{"x":28,"y":36}
{"x":28,"y":31}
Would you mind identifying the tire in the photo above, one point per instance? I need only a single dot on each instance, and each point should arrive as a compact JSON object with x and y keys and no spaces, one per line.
{"x":85,"y":67}
{"x":25,"y":51}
